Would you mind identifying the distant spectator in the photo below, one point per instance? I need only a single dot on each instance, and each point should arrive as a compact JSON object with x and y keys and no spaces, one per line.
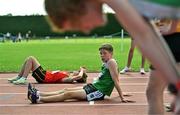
{"x":14,"y":38}
{"x":19,"y":38}
{"x":8,"y":35}
{"x":27,"y":37}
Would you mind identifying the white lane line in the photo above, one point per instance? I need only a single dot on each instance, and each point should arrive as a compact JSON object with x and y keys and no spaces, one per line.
{"x":124,"y":84}
{"x":94,"y":77}
{"x":8,"y":78}
{"x":91,"y":102}
{"x":75,"y":104}
{"x":128,"y":93}
{"x":12,"y":93}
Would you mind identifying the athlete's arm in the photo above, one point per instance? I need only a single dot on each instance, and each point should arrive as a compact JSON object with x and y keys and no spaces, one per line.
{"x":73,"y":78}
{"x":67,"y":80}
{"x":147,"y":40}
{"x":165,"y":28}
{"x":113,"y":68}
{"x":79,"y":76}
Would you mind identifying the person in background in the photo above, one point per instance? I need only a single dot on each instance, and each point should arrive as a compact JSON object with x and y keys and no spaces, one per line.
{"x":130,"y":56}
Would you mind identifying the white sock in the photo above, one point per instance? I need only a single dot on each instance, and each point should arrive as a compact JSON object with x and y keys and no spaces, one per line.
{"x":38,"y":94}
{"x":126,"y":68}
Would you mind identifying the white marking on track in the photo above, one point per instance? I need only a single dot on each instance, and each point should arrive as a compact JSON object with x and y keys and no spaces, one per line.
{"x":115,"y":92}
{"x":75,"y":104}
{"x":122,"y":84}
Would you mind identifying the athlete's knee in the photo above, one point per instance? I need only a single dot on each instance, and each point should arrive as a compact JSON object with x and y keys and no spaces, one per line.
{"x":65,"y":89}
{"x":153,"y":91}
{"x":67,"y":94}
{"x":30,"y":58}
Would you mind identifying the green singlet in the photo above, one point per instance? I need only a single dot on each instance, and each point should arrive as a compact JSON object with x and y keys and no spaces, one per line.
{"x":105,"y":84}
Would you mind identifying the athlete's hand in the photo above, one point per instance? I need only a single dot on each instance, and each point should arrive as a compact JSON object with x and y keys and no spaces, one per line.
{"x":126,"y":95}
{"x":127,"y":101}
{"x":83,"y":69}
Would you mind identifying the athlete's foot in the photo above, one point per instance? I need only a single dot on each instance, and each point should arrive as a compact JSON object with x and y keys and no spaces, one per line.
{"x":14,"y":78}
{"x":21,"y":81}
{"x":31,"y":89}
{"x":142,"y":71}
{"x":83,"y":69}
{"x":33,"y":94}
{"x":126,"y":69}
{"x":169,"y":108}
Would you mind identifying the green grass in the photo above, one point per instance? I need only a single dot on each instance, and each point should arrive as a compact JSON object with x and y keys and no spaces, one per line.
{"x":64,"y":54}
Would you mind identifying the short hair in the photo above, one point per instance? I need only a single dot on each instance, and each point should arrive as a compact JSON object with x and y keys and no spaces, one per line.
{"x":107,"y":47}
{"x":62,"y":10}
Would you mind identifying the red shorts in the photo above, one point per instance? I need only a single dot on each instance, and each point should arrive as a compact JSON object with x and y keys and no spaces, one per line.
{"x":55,"y":76}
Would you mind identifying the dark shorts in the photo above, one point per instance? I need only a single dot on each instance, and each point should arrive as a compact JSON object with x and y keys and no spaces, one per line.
{"x":92,"y":93}
{"x":39,"y":74}
{"x":173,"y":41}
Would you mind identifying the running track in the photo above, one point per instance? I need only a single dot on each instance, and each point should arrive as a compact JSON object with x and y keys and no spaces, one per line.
{"x":13,"y":100}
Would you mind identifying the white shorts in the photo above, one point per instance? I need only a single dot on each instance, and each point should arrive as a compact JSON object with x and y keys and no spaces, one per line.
{"x":93,"y":93}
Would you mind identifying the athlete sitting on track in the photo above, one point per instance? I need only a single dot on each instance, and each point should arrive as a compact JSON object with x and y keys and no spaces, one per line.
{"x":108,"y":79}
{"x":46,"y":76}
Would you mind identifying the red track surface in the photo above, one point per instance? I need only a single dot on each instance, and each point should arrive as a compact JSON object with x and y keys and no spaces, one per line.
{"x":13,"y":99}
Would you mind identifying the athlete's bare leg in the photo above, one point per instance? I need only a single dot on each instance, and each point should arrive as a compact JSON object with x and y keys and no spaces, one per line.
{"x":79,"y":94}
{"x":142,"y":61}
{"x":177,"y":104}
{"x":154,"y":93}
{"x":59,"y":92}
{"x":30,"y":64}
{"x":131,"y":52}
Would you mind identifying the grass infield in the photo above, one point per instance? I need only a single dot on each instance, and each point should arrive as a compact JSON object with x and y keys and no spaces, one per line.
{"x":65,"y":54}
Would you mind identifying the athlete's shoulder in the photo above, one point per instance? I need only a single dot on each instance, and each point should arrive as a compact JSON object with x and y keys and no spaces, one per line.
{"x":112,"y":62}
